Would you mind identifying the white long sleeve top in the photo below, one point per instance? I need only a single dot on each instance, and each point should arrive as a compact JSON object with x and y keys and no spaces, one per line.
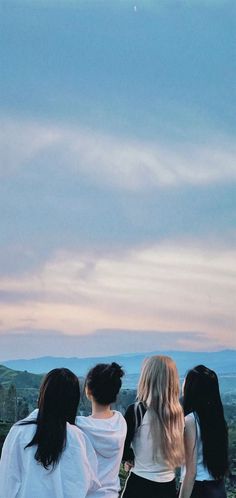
{"x":21,"y":476}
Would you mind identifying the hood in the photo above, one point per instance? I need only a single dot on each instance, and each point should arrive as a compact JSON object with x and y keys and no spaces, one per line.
{"x":106,"y":435}
{"x":33,"y":415}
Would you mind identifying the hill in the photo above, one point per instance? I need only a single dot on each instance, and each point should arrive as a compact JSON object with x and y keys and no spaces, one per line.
{"x":19,"y":379}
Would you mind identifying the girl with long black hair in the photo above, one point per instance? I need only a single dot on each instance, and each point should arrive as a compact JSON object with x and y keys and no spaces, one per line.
{"x":46,"y":455}
{"x":206,"y":436}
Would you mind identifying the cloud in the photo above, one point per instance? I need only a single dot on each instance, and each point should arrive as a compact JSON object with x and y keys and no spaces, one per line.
{"x":29,"y":342}
{"x":74,"y":189}
{"x":103,"y":159}
{"x":101,"y":232}
{"x":160,"y":287}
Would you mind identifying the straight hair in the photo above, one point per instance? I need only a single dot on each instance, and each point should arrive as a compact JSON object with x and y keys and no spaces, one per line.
{"x":201,"y":396}
{"x":158,"y":390}
{"x":58,"y":403}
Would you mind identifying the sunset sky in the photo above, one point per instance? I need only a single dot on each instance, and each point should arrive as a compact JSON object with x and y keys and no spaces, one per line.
{"x":117,"y":176}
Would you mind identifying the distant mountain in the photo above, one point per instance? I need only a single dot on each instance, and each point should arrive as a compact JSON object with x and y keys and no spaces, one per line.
{"x":223,"y":362}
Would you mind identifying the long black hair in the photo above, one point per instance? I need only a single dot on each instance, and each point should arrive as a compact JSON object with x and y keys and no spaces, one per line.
{"x":104,"y":382}
{"x":202,"y":397}
{"x":58,"y":402}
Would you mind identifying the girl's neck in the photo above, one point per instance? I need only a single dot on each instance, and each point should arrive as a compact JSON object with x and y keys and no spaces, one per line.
{"x":101,"y":411}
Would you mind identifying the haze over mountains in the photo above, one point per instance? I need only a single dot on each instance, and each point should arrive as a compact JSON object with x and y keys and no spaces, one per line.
{"x":224,"y":362}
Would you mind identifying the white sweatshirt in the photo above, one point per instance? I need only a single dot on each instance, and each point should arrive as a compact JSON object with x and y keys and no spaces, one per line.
{"x":21,"y":476}
{"x":107,"y":437}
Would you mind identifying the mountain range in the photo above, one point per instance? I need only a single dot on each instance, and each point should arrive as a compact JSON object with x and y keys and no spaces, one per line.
{"x":223,"y":362}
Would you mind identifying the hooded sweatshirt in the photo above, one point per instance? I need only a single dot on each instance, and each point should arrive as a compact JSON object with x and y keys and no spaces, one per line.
{"x":21,"y":476}
{"x":107,"y":437}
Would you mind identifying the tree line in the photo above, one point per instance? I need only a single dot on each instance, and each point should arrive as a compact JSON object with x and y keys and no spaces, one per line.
{"x":12,"y":407}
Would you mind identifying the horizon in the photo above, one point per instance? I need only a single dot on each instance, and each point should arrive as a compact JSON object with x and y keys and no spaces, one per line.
{"x":137,"y":353}
{"x":221,"y":362}
{"x":118,"y":176}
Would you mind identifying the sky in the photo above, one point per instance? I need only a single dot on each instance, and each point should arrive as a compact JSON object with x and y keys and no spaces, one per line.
{"x":117,"y":176}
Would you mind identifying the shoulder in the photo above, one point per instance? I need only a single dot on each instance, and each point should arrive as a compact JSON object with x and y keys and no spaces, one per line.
{"x":19,"y":435}
{"x":24,"y":429}
{"x":79,"y":449}
{"x":190,"y":430}
{"x":120,"y":422}
{"x":14,"y":432}
{"x":86,"y":424}
{"x":130,"y":410}
{"x":119,"y":416}
{"x":77,"y":439}
{"x":77,"y":436}
{"x":190,"y":420}
{"x":135,"y":414}
{"x":130,"y":407}
{"x":74,"y":434}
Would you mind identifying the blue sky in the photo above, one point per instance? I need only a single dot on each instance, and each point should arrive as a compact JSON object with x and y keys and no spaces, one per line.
{"x":118,"y":175}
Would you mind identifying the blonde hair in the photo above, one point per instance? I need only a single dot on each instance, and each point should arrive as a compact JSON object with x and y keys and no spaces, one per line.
{"x":158,"y":390}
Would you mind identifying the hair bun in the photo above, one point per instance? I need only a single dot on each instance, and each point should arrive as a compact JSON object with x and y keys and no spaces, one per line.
{"x":116,"y":369}
{"x":104,"y":382}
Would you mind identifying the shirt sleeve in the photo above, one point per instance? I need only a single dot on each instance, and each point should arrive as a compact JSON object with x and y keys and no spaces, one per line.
{"x":92,"y":464}
{"x":10,"y":466}
{"x":128,"y":454}
{"x":80,"y":469}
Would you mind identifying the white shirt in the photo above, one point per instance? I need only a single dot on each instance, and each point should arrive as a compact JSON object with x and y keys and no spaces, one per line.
{"x":107,"y":437}
{"x":21,"y":476}
{"x":144,"y":465}
{"x":202,"y":472}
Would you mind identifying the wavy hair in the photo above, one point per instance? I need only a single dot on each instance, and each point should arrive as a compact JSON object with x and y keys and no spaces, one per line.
{"x":201,"y":395}
{"x":158,"y":390}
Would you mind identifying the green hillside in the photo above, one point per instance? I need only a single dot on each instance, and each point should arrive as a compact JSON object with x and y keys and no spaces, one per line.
{"x":19,"y":379}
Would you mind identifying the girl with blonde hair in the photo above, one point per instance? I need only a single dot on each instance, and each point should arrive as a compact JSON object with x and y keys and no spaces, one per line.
{"x":154,"y":442}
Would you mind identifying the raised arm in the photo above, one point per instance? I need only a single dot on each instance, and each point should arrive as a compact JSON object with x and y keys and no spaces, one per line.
{"x":190,"y":444}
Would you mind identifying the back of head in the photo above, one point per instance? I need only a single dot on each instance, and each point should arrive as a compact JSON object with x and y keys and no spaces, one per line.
{"x":59,"y":395}
{"x":58,"y":403}
{"x":158,"y":374}
{"x":201,"y":388}
{"x":104,"y":382}
{"x":158,"y":389}
{"x":202,"y":396}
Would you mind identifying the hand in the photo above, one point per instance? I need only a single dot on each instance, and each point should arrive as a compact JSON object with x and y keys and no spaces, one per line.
{"x":128,"y":466}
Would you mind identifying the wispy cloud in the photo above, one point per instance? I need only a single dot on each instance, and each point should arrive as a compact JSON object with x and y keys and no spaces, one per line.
{"x":29,"y":342}
{"x":113,"y":161}
{"x":165,"y":288}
